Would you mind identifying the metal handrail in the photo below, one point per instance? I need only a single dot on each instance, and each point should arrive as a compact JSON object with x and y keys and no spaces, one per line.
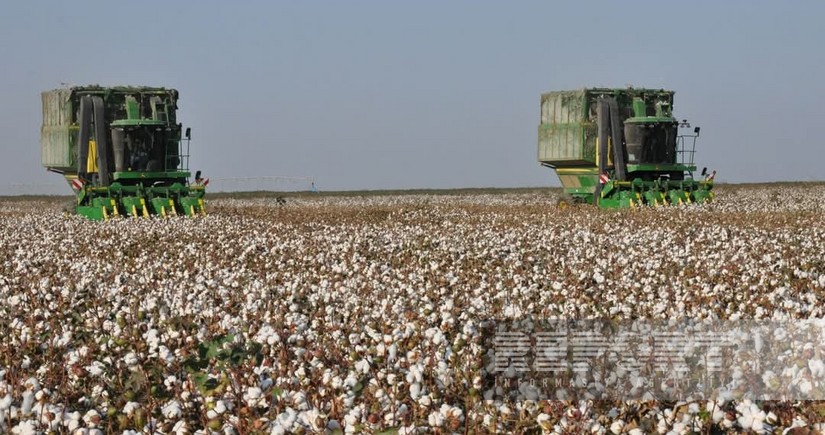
{"x":686,"y":149}
{"x":181,"y":156}
{"x":683,"y":141}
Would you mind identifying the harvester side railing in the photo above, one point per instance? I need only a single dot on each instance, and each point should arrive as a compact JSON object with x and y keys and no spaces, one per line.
{"x":181,"y":156}
{"x":686,"y":146}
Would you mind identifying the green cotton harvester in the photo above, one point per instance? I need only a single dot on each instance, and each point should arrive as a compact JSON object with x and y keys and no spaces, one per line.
{"x":620,"y":148}
{"x":121,"y":150}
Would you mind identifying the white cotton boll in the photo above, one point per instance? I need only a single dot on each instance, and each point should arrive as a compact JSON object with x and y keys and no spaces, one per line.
{"x":95,"y":369}
{"x":415,"y":390}
{"x":544,"y":421}
{"x":617,"y":427}
{"x":98,"y":391}
{"x":770,"y":380}
{"x":180,"y":428}
{"x":130,"y":359}
{"x":300,"y":401}
{"x":41,"y":395}
{"x":165,"y":354}
{"x":350,"y":381}
{"x":452,"y":412}
{"x":715,"y":409}
{"x":693,"y":408}
{"x":326,"y":377}
{"x":352,"y":418}
{"x":725,"y":396}
{"x":151,"y":337}
{"x":416,"y":373}
{"x":32,"y":384}
{"x":91,"y":418}
{"x":130,"y":407}
{"x":817,"y":368}
{"x":171,"y":410}
{"x":286,"y":420}
{"x":28,"y":401}
{"x":392,"y":352}
{"x":758,"y":426}
{"x":27,"y":427}
{"x":5,"y":402}
{"x":220,"y":406}
{"x":805,"y":386}
{"x":313,"y":419}
{"x":74,"y":416}
{"x":253,"y":396}
{"x":170,"y":381}
{"x":435,"y":419}
{"x":362,"y":366}
{"x":678,"y":429}
{"x":430,"y":333}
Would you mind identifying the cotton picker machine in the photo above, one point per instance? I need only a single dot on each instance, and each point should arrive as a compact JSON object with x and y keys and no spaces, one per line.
{"x":620,"y":148}
{"x":121,"y":150}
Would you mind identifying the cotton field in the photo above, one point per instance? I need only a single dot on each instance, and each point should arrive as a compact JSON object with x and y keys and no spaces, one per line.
{"x":363,"y":314}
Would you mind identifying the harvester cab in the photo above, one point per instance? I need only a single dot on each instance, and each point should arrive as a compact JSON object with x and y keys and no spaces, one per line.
{"x":620,"y":148}
{"x":121,"y":151}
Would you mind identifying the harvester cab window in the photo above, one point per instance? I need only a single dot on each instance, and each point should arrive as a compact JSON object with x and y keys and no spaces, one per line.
{"x":144,"y":151}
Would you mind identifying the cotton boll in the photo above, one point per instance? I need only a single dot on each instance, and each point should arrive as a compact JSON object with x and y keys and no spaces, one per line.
{"x":817,"y":368}
{"x":28,"y":401}
{"x":415,"y":390}
{"x":171,"y":409}
{"x":617,"y":427}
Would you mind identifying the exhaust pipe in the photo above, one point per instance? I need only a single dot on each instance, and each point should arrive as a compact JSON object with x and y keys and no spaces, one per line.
{"x":84,"y":119}
{"x":617,"y":129}
{"x":603,"y":119}
{"x":100,"y":137}
{"x":119,"y":149}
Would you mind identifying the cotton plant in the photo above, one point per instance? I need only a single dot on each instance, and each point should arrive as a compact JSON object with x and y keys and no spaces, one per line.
{"x":360,"y":314}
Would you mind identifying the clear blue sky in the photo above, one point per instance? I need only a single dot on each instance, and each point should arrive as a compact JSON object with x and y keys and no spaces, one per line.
{"x":378,"y":94}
